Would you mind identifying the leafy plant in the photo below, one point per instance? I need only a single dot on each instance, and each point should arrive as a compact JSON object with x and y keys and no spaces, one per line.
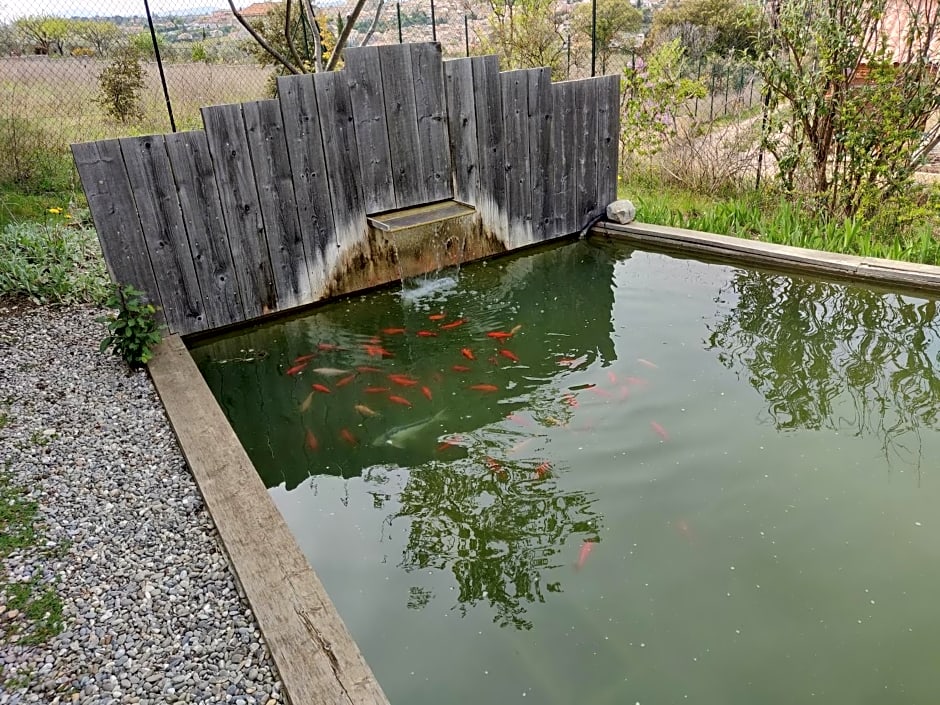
{"x":120,"y":84}
{"x":134,"y":330}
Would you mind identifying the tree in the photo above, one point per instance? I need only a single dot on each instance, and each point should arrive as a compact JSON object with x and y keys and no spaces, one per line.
{"x":102,"y":35}
{"x":618,"y":21}
{"x":525,"y":34}
{"x":120,"y":84}
{"x":46,"y":32}
{"x":850,"y":105}
{"x":708,"y":26}
{"x":297,"y":43}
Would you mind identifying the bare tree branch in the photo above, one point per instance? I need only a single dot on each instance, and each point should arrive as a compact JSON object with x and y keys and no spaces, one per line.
{"x":344,"y":37}
{"x":261,"y":40}
{"x":287,"y":34}
{"x":375,"y":22}
{"x":317,"y":42}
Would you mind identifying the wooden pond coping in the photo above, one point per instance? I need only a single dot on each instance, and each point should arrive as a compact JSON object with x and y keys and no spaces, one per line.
{"x":315,"y":656}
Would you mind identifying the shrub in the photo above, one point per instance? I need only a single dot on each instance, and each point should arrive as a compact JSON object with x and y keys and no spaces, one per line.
{"x":31,"y":160}
{"x":120,"y":84}
{"x":134,"y":330}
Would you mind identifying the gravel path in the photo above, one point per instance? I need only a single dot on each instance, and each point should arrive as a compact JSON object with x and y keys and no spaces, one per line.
{"x":151,"y":610}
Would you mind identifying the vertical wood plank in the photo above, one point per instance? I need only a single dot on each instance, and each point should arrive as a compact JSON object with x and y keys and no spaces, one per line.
{"x":308,"y":169}
{"x":104,"y":179}
{"x":608,"y":140}
{"x":151,"y":179}
{"x":364,"y":76}
{"x":228,"y":145}
{"x":563,"y":157}
{"x":205,"y":228}
{"x":514,"y":86}
{"x":430,"y":108}
{"x":540,"y":151}
{"x":399,"y":92}
{"x":271,"y":163}
{"x":340,"y":154}
{"x":586,"y":151}
{"x":462,"y":129}
{"x":488,"y":105}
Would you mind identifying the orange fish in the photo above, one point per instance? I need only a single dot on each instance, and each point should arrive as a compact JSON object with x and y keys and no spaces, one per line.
{"x":451,"y":442}
{"x":498,"y":335}
{"x":570,"y":400}
{"x":304,"y":358}
{"x":376,"y":350}
{"x":403,"y":380}
{"x":376,"y":390}
{"x":583,"y":554}
{"x":600,"y":392}
{"x":467,"y":353}
{"x":460,"y":368}
{"x":493,"y":464}
{"x":521,"y":420}
{"x":347,"y":436}
{"x":393,"y":331}
{"x":375,"y":340}
{"x":612,"y":377}
{"x":345,"y":380}
{"x":399,"y":400}
{"x":543,"y":469}
{"x":312,"y":442}
{"x":484,"y":387}
{"x":297,"y":368}
{"x":427,"y":334}
{"x":453,"y":324}
{"x":426,"y":392}
{"x":365,"y":410}
{"x":510,"y":354}
{"x":320,"y":388}
{"x":366,"y":368}
{"x":328,"y":346}
{"x":436,"y":316}
{"x":659,"y":430}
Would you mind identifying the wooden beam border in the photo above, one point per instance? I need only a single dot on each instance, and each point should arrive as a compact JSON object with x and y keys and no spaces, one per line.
{"x":315,"y":656}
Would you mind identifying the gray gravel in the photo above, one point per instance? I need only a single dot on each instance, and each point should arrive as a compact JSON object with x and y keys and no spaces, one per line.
{"x":152,"y":613}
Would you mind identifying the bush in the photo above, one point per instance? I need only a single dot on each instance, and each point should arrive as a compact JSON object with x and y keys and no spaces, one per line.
{"x":52,"y":261}
{"x":134,"y":330}
{"x":120,"y":84}
{"x":28,"y":161}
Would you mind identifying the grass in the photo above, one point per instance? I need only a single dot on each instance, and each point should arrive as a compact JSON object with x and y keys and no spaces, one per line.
{"x":759,"y":216}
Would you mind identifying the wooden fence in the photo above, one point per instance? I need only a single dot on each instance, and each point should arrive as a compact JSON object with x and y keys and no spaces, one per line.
{"x":265,"y":208}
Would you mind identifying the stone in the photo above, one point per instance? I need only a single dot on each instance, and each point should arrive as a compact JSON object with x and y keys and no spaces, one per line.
{"x":622,"y":212}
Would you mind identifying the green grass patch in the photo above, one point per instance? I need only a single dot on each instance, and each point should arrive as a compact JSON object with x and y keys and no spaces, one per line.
{"x":16,"y":206}
{"x":768,"y":218}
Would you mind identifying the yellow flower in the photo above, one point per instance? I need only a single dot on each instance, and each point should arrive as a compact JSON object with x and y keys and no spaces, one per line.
{"x":55,"y":211}
{"x":68,"y":215}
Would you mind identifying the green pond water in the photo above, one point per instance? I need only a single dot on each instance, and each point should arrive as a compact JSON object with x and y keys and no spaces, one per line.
{"x":682,"y":482}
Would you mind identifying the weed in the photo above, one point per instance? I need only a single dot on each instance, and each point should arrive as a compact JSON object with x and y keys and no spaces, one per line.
{"x":134,"y":330}
{"x":4,"y":419}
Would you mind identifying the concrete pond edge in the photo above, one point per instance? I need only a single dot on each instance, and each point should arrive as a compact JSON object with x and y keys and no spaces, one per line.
{"x":315,"y":655}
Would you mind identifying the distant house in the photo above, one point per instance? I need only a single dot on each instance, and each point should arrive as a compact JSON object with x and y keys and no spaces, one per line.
{"x":909,"y":27}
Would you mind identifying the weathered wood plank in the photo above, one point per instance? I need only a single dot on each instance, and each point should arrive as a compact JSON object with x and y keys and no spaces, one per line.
{"x":563,"y":158}
{"x":430,"y":109}
{"x":608,"y":139}
{"x":308,"y":167}
{"x":462,"y":129}
{"x":316,"y":658}
{"x":271,"y":163}
{"x":398,"y":90}
{"x":364,"y":76}
{"x":228,"y":144}
{"x":489,"y":116}
{"x":151,"y":178}
{"x":205,"y":227}
{"x":104,"y":180}
{"x":340,"y":150}
{"x":514,"y":86}
{"x":586,"y":151}
{"x":540,"y":151}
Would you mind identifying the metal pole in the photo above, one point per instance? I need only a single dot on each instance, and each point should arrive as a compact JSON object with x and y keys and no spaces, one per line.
{"x":398,"y":10}
{"x":433,"y":23}
{"x":568,"y":44}
{"x":593,"y":38}
{"x":466,"y":34}
{"x":156,"y":53}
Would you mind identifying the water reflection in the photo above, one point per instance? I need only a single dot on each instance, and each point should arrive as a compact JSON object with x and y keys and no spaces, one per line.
{"x":836,"y":357}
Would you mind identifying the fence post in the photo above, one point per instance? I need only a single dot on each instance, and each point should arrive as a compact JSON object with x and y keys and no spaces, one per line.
{"x":568,"y":45}
{"x":727,"y":85}
{"x":398,"y":12}
{"x":698,"y":77}
{"x":466,"y":34}
{"x":593,"y":38}
{"x":711,"y":95}
{"x":433,"y":23}
{"x":156,"y":53}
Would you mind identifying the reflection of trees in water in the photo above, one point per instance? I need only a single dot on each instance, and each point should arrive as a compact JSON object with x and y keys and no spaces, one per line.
{"x":830,"y":356}
{"x":497,"y":530}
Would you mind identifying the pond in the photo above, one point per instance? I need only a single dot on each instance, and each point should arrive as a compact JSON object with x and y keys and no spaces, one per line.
{"x":595,"y":474}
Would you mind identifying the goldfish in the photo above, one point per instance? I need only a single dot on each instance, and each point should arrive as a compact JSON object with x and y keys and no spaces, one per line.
{"x":467,"y":353}
{"x":659,"y":430}
{"x":376,"y":351}
{"x":484,"y":387}
{"x":600,"y":392}
{"x":450,"y":442}
{"x":375,"y":340}
{"x":682,"y":526}
{"x":647,"y":363}
{"x":583,"y":554}
{"x":426,"y":334}
{"x":331,"y":371}
{"x":312,"y":442}
{"x":612,"y":377}
{"x":366,"y":368}
{"x":304,"y":358}
{"x":345,"y":380}
{"x":571,"y":361}
{"x":305,"y":404}
{"x":296,"y":369}
{"x":624,"y":392}
{"x":570,"y":400}
{"x":328,"y":346}
{"x":543,"y":469}
{"x":453,"y":324}
{"x":460,"y":368}
{"x":321,"y":388}
{"x":436,"y":317}
{"x":426,"y":392}
{"x":347,"y":436}
{"x":509,"y":354}
{"x":376,"y":390}
{"x":365,"y":410}
{"x":399,"y":400}
{"x":520,"y":445}
{"x":516,"y":418}
{"x":498,"y":335}
{"x":493,"y":464}
{"x":393,"y":331}
{"x":403,"y":380}
{"x":515,"y":329}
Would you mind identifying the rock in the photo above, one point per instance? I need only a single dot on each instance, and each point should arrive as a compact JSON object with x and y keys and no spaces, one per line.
{"x":622,"y":212}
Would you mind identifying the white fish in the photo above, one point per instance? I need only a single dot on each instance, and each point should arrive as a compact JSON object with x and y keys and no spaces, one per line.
{"x":330,"y":371}
{"x":400,"y":436}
